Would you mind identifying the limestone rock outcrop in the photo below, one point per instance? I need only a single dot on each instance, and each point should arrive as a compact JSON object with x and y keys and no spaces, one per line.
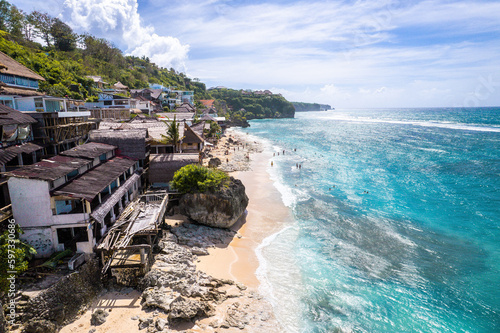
{"x":216,"y":209}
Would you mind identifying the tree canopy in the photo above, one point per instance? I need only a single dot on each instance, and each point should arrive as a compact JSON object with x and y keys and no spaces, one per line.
{"x":195,"y":178}
{"x":67,"y":59}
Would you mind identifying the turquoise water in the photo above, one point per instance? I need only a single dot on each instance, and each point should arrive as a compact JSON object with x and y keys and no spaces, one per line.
{"x":397,"y":220}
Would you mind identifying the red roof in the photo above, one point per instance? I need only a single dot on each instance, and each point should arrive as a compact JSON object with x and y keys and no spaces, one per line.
{"x":208,"y":103}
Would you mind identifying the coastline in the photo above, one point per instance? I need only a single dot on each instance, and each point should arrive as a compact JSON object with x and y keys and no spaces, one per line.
{"x":266,"y":214}
{"x":233,"y":259}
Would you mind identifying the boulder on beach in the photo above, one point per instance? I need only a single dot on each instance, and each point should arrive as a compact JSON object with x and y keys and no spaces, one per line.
{"x":98,"y":317}
{"x":219,"y":209}
{"x":214,"y":162}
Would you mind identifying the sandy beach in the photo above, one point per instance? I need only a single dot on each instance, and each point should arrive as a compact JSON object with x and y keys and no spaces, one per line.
{"x":234,"y":260}
{"x":266,"y":214}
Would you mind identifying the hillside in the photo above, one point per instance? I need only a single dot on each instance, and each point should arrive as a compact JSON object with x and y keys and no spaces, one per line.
{"x":66,"y":71}
{"x":66,"y":59}
{"x":302,"y":106}
{"x":248,"y":106}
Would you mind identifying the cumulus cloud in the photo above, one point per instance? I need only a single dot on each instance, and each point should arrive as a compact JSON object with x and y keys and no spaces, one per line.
{"x":120,"y":22}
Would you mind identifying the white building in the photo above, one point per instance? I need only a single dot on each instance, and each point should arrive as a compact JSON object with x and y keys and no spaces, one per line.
{"x":69,"y":201}
{"x":42,"y":104}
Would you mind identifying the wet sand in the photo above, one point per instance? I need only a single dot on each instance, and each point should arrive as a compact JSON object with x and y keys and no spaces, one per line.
{"x":266,"y":215}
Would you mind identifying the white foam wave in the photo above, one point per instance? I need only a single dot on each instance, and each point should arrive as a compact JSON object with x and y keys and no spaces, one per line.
{"x":290,"y":196}
{"x":440,"y":124}
{"x":280,"y":280}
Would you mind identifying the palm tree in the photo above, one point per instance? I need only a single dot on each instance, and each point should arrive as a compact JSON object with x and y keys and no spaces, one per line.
{"x":172,"y":136}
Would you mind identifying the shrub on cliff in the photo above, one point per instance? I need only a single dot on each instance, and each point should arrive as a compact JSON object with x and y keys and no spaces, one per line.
{"x":195,"y":178}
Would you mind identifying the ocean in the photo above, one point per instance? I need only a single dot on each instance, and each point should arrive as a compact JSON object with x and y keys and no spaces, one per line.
{"x":396,"y":220}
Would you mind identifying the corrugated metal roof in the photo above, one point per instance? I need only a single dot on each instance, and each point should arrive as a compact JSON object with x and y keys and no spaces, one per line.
{"x":91,"y":183}
{"x":9,"y":116}
{"x":49,"y":169}
{"x":100,"y":212}
{"x":89,"y":150}
{"x":7,"y":154}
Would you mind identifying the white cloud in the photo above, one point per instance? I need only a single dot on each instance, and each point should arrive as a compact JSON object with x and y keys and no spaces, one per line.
{"x":417,"y":53}
{"x":120,"y":22}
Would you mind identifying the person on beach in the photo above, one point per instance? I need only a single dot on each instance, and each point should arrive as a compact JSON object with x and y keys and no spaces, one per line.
{"x":271,"y":163}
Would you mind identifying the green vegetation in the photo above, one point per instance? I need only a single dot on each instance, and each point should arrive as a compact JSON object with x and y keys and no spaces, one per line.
{"x":65,"y":66}
{"x":248,"y":106}
{"x":195,"y":178}
{"x":66,"y":59}
{"x":14,"y":255}
{"x":301,"y":106}
{"x":173,"y":136}
{"x":213,"y":131}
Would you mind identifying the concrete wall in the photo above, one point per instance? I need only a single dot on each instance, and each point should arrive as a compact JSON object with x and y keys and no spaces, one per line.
{"x":41,"y":239}
{"x":30,"y":202}
{"x":69,"y":219}
{"x":85,"y":247}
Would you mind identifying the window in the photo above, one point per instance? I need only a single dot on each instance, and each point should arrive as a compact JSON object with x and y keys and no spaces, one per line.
{"x":7,"y":78}
{"x":38,"y":104}
{"x":6,"y":103}
{"x":64,"y":235}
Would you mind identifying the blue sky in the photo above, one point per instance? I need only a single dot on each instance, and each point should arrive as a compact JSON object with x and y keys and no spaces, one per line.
{"x":348,"y":54}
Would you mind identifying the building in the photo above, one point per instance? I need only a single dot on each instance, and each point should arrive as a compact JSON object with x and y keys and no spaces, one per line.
{"x":186,"y":117}
{"x":131,"y":142}
{"x":207,"y":103}
{"x":110,"y":100}
{"x":16,"y":149}
{"x":185,"y":108}
{"x":98,"y":81}
{"x":191,"y":141}
{"x":16,"y":80}
{"x":145,"y":105}
{"x":70,"y":200}
{"x":154,"y":96}
{"x":17,"y":136}
{"x":163,"y":166}
{"x":120,"y":87}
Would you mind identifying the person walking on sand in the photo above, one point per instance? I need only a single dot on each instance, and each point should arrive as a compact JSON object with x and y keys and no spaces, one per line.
{"x":271,"y":163}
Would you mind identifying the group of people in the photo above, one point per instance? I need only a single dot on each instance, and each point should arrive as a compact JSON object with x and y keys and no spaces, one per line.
{"x":297,"y":165}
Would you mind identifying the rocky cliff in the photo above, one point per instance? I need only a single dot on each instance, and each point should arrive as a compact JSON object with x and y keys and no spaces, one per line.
{"x":218,"y":209}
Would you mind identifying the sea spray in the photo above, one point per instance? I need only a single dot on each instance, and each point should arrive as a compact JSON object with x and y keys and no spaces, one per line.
{"x":396,"y":220}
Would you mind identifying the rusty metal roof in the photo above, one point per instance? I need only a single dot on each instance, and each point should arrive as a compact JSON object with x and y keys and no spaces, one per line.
{"x":49,"y":169}
{"x":91,"y":183}
{"x":89,"y":150}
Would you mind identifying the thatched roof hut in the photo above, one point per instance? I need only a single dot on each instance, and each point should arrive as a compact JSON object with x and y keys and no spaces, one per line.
{"x":14,"y":68}
{"x":130,"y":142}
